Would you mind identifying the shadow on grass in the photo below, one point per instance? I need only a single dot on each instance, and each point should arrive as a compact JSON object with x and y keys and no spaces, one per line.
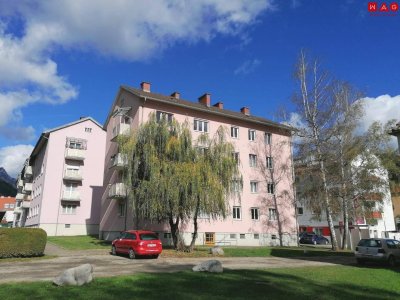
{"x":244,"y":284}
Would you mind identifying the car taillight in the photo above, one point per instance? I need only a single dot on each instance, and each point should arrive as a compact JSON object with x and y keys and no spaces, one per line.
{"x":356,"y":248}
{"x":381,"y":250}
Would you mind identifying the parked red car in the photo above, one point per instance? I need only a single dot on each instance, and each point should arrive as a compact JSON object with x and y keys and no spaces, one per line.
{"x":137,"y":243}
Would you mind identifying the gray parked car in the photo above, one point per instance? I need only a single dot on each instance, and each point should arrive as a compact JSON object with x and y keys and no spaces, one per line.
{"x":374,"y":249}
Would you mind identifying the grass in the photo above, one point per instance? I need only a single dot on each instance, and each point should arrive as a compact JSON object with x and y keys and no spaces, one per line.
{"x":336,"y":282}
{"x":80,"y":242}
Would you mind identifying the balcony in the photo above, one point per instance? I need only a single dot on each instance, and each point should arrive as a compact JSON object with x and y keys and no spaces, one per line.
{"x":27,"y":188}
{"x":73,"y":174}
{"x":20,"y":183}
{"x":119,"y":161}
{"x":28,"y":172}
{"x":18,"y":210}
{"x":19,"y":197}
{"x":75,"y":154}
{"x":26,"y":204}
{"x":27,"y":197}
{"x":119,"y":130}
{"x":117,"y":190}
{"x":71,"y":196}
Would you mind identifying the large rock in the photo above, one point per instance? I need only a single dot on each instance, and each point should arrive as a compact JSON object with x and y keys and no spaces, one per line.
{"x":213,"y":266}
{"x":216,"y":251}
{"x":75,"y":276}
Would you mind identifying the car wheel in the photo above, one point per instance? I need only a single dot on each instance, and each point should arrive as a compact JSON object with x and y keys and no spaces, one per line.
{"x":391,"y":261}
{"x":132,"y":254}
{"x":113,"y":250}
{"x":360,"y":261}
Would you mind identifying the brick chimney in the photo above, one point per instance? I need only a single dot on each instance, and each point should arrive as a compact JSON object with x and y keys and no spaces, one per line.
{"x":220,"y":105}
{"x":245,"y":110}
{"x":145,"y":86}
{"x":205,"y":99}
{"x":176,"y":95}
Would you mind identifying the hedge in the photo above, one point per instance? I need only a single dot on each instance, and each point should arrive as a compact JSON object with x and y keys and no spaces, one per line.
{"x":22,"y":242}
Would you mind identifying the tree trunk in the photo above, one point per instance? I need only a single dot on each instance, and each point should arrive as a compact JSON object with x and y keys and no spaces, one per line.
{"x":346,"y":223}
{"x":174,"y":231}
{"x":195,"y":226}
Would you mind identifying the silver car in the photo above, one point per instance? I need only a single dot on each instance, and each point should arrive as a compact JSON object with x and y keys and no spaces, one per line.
{"x":374,"y":249}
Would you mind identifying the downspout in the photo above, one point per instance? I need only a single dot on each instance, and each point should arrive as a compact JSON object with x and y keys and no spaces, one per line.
{"x":294,"y":191}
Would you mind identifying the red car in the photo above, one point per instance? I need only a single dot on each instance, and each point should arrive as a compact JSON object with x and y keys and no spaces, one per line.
{"x":137,"y":243}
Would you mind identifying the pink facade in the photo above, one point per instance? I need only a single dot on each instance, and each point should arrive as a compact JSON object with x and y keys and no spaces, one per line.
{"x":62,"y":191}
{"x":264,"y":150}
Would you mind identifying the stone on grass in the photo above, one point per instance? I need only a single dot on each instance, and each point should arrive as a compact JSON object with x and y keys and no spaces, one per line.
{"x":216,"y":251}
{"x":212,"y":266}
{"x":75,"y":276}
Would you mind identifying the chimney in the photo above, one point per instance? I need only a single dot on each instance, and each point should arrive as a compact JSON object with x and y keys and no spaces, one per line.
{"x":205,"y":99}
{"x":145,"y":86}
{"x":245,"y":110}
{"x":220,"y":105}
{"x":176,"y":95}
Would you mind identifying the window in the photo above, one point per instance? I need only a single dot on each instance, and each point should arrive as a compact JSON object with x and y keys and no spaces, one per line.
{"x":121,"y":209}
{"x":210,"y":238}
{"x":67,"y":225}
{"x":75,"y":143}
{"x":253,"y":160}
{"x":200,"y":125}
{"x":299,"y":210}
{"x":236,"y":156}
{"x":160,"y":115}
{"x":167,"y":235}
{"x":269,"y":162}
{"x":70,"y":189}
{"x":256,"y":236}
{"x":232,"y":236}
{"x":267,"y":138}
{"x":270,"y":188}
{"x":234,"y":132}
{"x":7,"y":205}
{"x":242,"y":236}
{"x":11,"y":205}
{"x":236,"y":213}
{"x":236,"y":186}
{"x":252,"y":135}
{"x":254,"y":186}
{"x":69,"y":209}
{"x":87,"y":129}
{"x":272,"y":214}
{"x":254,"y":213}
{"x":202,"y":150}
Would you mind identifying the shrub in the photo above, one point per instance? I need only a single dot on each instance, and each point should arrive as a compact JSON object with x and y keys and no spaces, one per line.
{"x":22,"y":242}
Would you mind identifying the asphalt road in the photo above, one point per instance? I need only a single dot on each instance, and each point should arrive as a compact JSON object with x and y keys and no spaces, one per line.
{"x":106,"y":265}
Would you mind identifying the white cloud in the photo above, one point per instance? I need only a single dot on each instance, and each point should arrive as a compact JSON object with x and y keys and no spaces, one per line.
{"x":123,"y":29}
{"x":382,"y":108}
{"x":12,"y":158}
{"x":247,"y":67}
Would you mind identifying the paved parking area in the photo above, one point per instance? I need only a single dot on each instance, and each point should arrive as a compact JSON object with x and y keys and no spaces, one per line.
{"x":106,"y":265}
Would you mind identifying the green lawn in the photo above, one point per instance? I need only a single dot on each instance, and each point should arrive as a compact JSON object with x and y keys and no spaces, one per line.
{"x":80,"y":242}
{"x":338,"y":282}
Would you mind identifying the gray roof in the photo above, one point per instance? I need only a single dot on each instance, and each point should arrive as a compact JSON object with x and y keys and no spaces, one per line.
{"x":201,"y":107}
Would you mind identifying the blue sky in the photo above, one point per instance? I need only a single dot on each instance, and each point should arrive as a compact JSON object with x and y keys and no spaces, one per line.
{"x":60,"y":60}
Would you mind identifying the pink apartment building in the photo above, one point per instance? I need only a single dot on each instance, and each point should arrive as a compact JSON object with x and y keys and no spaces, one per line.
{"x":61,"y":184}
{"x":253,"y":218}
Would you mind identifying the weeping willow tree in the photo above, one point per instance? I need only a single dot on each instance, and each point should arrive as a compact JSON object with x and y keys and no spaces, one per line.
{"x":170,"y":179}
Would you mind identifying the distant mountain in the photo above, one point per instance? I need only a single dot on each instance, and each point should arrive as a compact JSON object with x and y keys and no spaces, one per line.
{"x":7,"y":178}
{"x":7,"y":184}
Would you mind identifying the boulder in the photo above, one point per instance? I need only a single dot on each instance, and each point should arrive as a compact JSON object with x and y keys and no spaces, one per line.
{"x":212,"y":266}
{"x":216,"y":251}
{"x":75,"y":276}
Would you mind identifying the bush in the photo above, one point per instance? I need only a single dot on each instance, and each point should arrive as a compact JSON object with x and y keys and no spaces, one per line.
{"x":22,"y":242}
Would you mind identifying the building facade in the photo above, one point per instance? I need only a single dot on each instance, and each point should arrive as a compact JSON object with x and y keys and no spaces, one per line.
{"x":60,"y":186}
{"x":7,"y":205}
{"x":395,"y":181}
{"x":259,"y":145}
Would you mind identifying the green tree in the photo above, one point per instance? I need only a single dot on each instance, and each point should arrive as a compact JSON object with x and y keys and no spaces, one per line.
{"x":172,"y":180}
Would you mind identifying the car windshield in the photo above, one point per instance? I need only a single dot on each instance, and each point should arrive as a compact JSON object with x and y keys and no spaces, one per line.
{"x":148,"y":237}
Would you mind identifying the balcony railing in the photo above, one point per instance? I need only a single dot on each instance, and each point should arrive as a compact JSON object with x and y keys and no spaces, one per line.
{"x":20,"y":183}
{"x":26,"y":204}
{"x":120,"y":129}
{"x":18,"y":210}
{"x":72,"y":174}
{"x":71,"y":196}
{"x":19,"y":197}
{"x":75,"y":154}
{"x":27,"y":188}
{"x":28,"y":172}
{"x":117,"y":190}
{"x":119,"y":161}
